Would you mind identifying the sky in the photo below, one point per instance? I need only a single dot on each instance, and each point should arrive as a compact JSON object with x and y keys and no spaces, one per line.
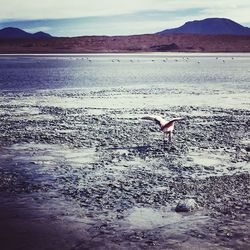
{"x":115,"y":17}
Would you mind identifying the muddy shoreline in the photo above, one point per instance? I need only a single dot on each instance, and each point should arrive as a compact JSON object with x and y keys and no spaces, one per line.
{"x":100,"y":178}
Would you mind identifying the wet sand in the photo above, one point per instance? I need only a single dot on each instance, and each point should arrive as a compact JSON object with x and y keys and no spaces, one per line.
{"x":80,"y":169}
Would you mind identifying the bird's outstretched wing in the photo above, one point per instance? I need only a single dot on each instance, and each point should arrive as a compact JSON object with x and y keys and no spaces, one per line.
{"x":157,"y":119}
{"x":177,"y":119}
{"x":170,"y":124}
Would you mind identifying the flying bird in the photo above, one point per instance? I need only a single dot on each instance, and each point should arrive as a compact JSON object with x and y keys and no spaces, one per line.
{"x":167,"y":127}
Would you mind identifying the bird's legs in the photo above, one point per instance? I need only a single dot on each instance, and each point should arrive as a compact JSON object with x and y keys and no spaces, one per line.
{"x":164,"y":138}
{"x":170,"y":135}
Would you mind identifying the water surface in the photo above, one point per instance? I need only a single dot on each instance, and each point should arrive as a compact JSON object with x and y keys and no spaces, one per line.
{"x":59,"y":71}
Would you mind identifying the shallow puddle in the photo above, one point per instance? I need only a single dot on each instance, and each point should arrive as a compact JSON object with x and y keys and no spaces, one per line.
{"x":207,"y":159}
{"x":27,"y":110}
{"x":215,"y":164}
{"x":149,"y":218}
{"x":28,"y":113}
{"x":96,"y":111}
{"x":51,"y":154}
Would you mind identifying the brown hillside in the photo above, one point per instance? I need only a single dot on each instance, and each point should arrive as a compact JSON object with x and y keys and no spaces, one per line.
{"x":136,"y":43}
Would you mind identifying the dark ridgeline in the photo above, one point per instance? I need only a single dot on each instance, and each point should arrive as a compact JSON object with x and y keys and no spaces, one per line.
{"x":208,"y":35}
{"x":41,"y":34}
{"x":210,"y":26}
{"x":15,"y":33}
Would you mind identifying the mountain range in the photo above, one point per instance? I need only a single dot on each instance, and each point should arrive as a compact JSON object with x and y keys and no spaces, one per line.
{"x":208,"y":35}
{"x":208,"y":26}
{"x":15,"y":33}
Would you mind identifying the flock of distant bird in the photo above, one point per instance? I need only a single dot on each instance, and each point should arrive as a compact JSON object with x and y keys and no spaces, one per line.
{"x":186,"y":59}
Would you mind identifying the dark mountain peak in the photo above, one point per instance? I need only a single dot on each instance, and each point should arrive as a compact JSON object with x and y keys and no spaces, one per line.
{"x":11,"y":29}
{"x":212,"y":20}
{"x":11,"y":32}
{"x":41,"y":34}
{"x":16,"y":33}
{"x":210,"y":26}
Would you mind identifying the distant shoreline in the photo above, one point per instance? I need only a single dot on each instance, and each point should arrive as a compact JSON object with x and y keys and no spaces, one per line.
{"x":138,"y":44}
{"x":169,"y":54}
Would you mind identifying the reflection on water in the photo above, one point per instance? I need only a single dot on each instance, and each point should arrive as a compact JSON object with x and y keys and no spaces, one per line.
{"x":215,"y":164}
{"x":206,"y":159}
{"x":149,"y":218}
{"x":46,"y":72}
{"x":51,"y":154}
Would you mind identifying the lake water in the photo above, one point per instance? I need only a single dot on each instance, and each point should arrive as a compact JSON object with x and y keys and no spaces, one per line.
{"x":18,"y":72}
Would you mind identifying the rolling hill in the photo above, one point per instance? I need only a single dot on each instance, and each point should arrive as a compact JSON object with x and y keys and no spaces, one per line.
{"x":210,"y":26}
{"x":15,"y":33}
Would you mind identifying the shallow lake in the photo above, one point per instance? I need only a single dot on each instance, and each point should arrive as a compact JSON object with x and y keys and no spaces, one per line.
{"x":115,"y":70}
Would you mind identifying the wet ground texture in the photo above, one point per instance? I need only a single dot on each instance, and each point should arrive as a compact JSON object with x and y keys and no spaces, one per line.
{"x":111,"y":174}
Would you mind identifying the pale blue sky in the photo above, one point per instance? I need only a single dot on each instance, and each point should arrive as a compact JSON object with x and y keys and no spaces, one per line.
{"x":115,"y":17}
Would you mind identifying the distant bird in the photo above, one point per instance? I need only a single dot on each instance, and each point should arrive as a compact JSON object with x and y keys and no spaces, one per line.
{"x":167,"y":127}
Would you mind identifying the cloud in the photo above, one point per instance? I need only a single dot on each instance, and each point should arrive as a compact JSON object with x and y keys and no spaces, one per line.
{"x":113,"y":17}
{"x":53,"y":9}
{"x":126,"y":24}
{"x":47,"y":9}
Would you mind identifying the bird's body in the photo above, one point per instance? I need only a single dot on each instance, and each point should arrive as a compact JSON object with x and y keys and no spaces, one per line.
{"x":167,"y":127}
